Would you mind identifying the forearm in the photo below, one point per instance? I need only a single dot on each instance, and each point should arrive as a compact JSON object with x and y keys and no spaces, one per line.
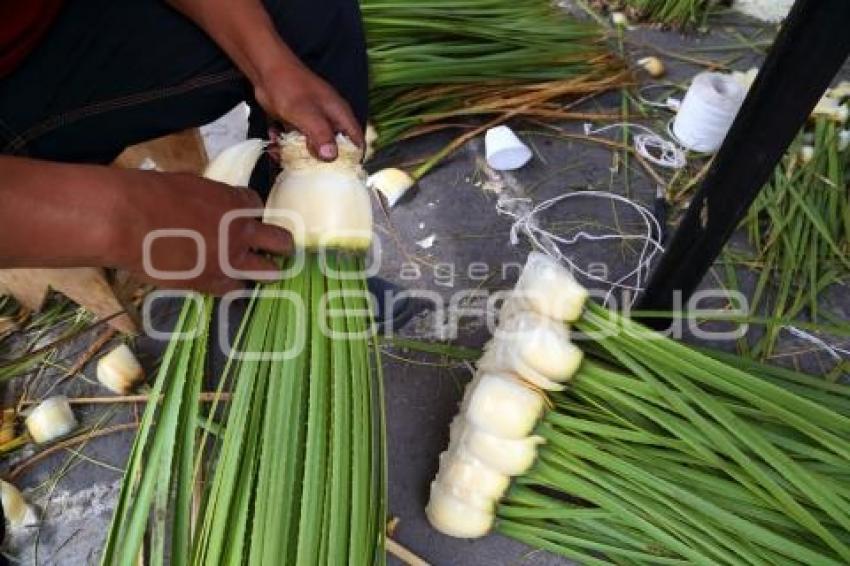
{"x":244,"y":30}
{"x":57,"y":215}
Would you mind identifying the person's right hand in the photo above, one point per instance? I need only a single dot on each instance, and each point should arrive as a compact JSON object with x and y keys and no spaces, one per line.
{"x":161,"y":201}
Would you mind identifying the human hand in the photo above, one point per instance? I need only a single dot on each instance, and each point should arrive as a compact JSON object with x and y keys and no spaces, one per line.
{"x":159,"y":201}
{"x":299,"y":98}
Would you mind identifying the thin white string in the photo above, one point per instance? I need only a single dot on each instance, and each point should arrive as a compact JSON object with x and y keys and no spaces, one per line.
{"x":820,"y":343}
{"x":667,"y":153}
{"x":525,"y":221}
{"x":669,"y":104}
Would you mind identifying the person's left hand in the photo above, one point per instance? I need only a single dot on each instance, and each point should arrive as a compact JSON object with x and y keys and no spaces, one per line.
{"x":299,"y":98}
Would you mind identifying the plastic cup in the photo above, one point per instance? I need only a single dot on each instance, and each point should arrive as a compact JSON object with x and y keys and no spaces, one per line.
{"x":505,"y":151}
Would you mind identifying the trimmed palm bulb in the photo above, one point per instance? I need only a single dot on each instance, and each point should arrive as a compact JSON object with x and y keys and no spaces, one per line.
{"x":619,"y":19}
{"x":462,"y":472}
{"x":454,"y":517}
{"x":17,"y":511}
{"x":507,"y":456}
{"x":119,"y":370}
{"x":542,"y":344}
{"x":51,"y":419}
{"x":653,"y":66}
{"x":234,"y":165}
{"x":807,"y":153}
{"x":392,"y":183}
{"x":503,"y":357}
{"x":323,"y":205}
{"x":502,"y":405}
{"x":550,"y":289}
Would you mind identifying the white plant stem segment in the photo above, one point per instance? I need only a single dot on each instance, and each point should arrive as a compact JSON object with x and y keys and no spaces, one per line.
{"x":323,"y":205}
{"x":234,"y":165}
{"x":17,"y":511}
{"x":392,"y":183}
{"x":371,"y":137}
{"x":51,"y":419}
{"x":454,"y":516}
{"x":502,"y":455}
{"x":120,"y":371}
{"x":504,"y":406}
{"x":653,"y":66}
{"x":548,"y":288}
{"x":491,"y":439}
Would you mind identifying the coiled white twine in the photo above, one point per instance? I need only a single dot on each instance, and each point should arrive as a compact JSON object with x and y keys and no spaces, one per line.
{"x":648,"y":144}
{"x":526,"y":221}
{"x":702,"y":121}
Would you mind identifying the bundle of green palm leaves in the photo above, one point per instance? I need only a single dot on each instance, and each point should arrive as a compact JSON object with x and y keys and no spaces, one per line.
{"x":800,"y":228}
{"x":292,"y":469}
{"x":661,"y":454}
{"x":435,"y":61}
{"x":296,"y":466}
{"x":679,"y":13}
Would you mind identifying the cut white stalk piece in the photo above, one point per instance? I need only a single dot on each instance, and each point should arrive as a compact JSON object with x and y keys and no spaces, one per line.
{"x":455,"y":517}
{"x":51,"y":419}
{"x":807,"y":153}
{"x":506,"y":456}
{"x":323,"y":205}
{"x":550,"y":289}
{"x":120,"y":371}
{"x":234,"y":165}
{"x":653,"y":66}
{"x":371,"y":137}
{"x":504,"y":406}
{"x":540,"y":345}
{"x":392,"y":183}
{"x":832,"y":109}
{"x":619,"y":19}
{"x":504,"y":358}
{"x":17,"y":511}
{"x":461,"y":472}
{"x":841,"y":91}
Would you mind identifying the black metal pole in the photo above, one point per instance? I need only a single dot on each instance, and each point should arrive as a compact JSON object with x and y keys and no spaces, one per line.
{"x":811,"y":47}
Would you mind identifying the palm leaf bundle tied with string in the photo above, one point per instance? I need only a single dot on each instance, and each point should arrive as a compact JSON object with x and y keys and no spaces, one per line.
{"x":639,"y":449}
{"x":295,"y":472}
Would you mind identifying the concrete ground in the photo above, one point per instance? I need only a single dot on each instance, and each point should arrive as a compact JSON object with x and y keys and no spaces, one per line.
{"x":446,"y":237}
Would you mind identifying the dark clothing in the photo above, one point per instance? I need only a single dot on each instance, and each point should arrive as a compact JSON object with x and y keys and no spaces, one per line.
{"x":22,"y":27}
{"x":111,"y":74}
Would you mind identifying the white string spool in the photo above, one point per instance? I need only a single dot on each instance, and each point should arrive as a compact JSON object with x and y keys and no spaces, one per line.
{"x":707,"y":112}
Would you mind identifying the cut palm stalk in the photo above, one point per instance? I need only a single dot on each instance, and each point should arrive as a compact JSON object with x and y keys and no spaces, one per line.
{"x":51,"y":419}
{"x":300,"y":474}
{"x":162,"y":457}
{"x":659,"y":453}
{"x":16,"y":510}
